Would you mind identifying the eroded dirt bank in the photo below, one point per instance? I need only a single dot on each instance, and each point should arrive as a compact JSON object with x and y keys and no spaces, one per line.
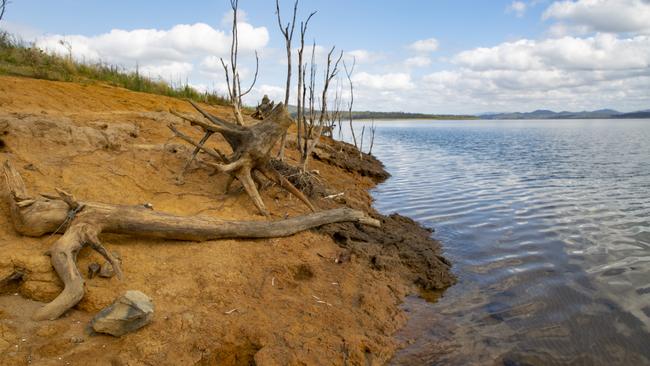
{"x":329,"y":296}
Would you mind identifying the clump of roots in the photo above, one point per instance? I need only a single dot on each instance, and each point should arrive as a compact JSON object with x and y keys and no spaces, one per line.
{"x":307,"y":182}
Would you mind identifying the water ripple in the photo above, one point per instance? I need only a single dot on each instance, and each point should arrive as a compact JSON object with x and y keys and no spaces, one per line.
{"x":548,"y":226}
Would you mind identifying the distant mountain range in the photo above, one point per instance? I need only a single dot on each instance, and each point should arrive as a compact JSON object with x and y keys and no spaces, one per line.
{"x":293,"y":110}
{"x":546,"y":114}
{"x":538,"y":114}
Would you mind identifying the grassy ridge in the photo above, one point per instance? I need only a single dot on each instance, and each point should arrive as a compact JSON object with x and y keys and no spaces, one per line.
{"x":20,"y":59}
{"x":406,"y":115}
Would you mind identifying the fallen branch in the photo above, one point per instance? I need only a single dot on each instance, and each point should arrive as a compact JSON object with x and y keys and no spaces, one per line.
{"x":40,"y":215}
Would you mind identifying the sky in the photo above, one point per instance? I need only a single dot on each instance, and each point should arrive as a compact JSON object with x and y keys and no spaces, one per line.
{"x":435,"y":56}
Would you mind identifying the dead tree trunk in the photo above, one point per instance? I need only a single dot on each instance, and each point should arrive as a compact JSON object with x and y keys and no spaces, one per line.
{"x":330,"y":73}
{"x":348,"y":73}
{"x":373,"y":129}
{"x":234,"y":86}
{"x":3,"y":5}
{"x":39,"y":215}
{"x":287,"y":32}
{"x":251,"y":146}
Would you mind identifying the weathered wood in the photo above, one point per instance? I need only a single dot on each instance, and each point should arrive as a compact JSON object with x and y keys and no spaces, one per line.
{"x":40,"y":215}
{"x":251,"y":146}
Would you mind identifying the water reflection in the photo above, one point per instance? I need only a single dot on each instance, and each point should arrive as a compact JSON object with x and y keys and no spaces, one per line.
{"x":548,"y":226}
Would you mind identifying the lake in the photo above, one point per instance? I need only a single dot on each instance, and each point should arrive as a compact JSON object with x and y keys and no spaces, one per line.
{"x":547,"y":224}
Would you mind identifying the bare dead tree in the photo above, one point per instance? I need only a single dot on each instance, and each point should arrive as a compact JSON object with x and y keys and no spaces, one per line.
{"x":330,"y":73}
{"x":301,"y":79}
{"x":3,"y":6}
{"x":233,"y":79}
{"x":373,"y":129}
{"x":287,"y":32}
{"x":363,"y":130}
{"x":233,"y":82}
{"x":310,"y":121}
{"x":335,"y":111}
{"x":348,"y":73}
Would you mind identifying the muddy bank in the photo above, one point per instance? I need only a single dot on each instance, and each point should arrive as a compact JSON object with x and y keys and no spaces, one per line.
{"x":329,"y":296}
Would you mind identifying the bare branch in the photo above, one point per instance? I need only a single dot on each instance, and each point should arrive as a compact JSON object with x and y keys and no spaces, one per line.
{"x":373,"y":129}
{"x":348,"y":73}
{"x":3,"y":6}
{"x":288,"y":38}
{"x":330,"y":73}
{"x":257,"y":69}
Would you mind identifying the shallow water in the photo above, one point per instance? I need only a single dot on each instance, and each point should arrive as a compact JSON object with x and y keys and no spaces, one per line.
{"x":547,"y":224}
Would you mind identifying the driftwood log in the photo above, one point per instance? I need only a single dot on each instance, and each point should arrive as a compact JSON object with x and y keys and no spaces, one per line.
{"x":251,"y":146}
{"x":82,"y":222}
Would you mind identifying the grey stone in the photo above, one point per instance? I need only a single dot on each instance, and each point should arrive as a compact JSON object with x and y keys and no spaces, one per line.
{"x":93,"y":269}
{"x":127,"y":313}
{"x":106,"y":271}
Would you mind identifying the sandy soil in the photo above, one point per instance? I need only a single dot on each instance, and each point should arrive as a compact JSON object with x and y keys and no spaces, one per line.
{"x":293,"y":303}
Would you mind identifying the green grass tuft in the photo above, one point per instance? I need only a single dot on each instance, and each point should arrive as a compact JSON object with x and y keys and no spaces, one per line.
{"x":20,"y":59}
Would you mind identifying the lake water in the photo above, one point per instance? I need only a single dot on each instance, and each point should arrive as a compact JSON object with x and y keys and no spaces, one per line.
{"x":547,"y":224}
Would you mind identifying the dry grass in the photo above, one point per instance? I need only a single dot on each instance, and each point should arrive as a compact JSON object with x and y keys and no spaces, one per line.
{"x":18,"y":58}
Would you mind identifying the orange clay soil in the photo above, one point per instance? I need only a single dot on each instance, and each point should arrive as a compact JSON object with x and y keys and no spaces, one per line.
{"x":267,"y":302}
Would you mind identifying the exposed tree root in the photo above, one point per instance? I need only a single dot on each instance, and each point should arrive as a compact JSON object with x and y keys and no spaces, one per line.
{"x":251,"y":146}
{"x":39,"y":215}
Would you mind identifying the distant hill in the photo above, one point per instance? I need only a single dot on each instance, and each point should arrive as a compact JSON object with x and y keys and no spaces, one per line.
{"x":538,"y":114}
{"x":404,"y":115}
{"x":395,"y":115}
{"x":547,"y":114}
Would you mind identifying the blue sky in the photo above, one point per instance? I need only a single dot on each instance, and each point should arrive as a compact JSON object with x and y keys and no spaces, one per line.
{"x":475,"y":56}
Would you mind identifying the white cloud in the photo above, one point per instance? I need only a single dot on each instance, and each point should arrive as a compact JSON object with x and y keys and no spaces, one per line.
{"x":274,"y":93}
{"x":614,"y":16}
{"x":212,"y":64}
{"x":417,"y":61}
{"x":601,"y":52}
{"x":361,"y":56}
{"x":565,"y":73}
{"x":179,"y":43}
{"x":173,"y":71}
{"x":183,"y":53}
{"x":518,"y":8}
{"x":425,"y":45}
{"x":390,"y":81}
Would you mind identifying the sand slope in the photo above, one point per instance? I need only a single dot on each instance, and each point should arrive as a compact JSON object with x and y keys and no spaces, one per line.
{"x":112,"y":145}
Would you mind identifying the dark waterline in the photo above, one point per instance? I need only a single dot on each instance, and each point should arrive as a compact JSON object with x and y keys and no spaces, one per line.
{"x":548,"y":226}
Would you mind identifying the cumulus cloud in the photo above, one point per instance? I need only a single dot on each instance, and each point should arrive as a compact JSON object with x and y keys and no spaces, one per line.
{"x":600,"y":52}
{"x":390,"y":81}
{"x":417,"y":61}
{"x":564,"y":73}
{"x":185,"y":52}
{"x":613,"y":16}
{"x":361,"y":56}
{"x":173,"y":71}
{"x":518,"y":8}
{"x":274,"y":92}
{"x":142,"y":45}
{"x":424,"y":45}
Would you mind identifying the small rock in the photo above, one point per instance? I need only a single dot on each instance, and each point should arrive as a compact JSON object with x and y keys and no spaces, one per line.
{"x":106,"y":271}
{"x":77,"y":340}
{"x":127,"y":313}
{"x":93,"y":269}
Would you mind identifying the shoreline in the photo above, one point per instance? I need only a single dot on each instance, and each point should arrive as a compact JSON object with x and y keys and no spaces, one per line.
{"x":110,"y":144}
